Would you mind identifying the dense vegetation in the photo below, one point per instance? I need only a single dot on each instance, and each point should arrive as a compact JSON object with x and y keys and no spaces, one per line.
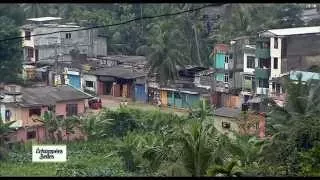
{"x":168,"y":42}
{"x":134,"y":142}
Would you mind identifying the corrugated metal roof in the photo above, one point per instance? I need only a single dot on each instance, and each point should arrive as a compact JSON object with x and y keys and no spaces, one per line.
{"x":295,"y":31}
{"x":44,"y":19}
{"x":227,"y":112}
{"x":119,"y":72}
{"x":50,"y":95}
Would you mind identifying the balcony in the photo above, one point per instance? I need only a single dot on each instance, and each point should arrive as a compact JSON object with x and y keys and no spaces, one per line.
{"x":262,"y":73}
{"x":263,"y":53}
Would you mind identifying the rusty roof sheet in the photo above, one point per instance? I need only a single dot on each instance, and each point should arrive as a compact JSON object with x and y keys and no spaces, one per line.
{"x":228,"y":112}
{"x":50,"y":95}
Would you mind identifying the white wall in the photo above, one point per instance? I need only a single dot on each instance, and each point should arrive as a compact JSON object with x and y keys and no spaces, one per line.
{"x":29,"y":43}
{"x":3,"y":111}
{"x":88,"y":77}
{"x":275,"y":53}
{"x":249,"y":70}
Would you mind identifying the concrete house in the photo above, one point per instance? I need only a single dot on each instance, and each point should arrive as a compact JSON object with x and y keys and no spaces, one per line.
{"x":57,"y":44}
{"x":115,"y":81}
{"x":23,"y":105}
{"x":285,"y":50}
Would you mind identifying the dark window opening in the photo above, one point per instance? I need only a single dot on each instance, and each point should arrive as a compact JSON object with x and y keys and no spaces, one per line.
{"x":278,"y":88}
{"x":275,"y":43}
{"x":35,"y":112}
{"x":250,"y":62}
{"x":89,"y":83}
{"x":264,"y":63}
{"x":226,"y":59}
{"x":226,"y":125}
{"x":30,"y":52}
{"x":7,"y":115}
{"x":68,"y":35}
{"x":37,"y":55}
{"x":263,"y":83}
{"x":51,"y":108}
{"x":72,"y":109}
{"x":31,"y":135}
{"x":275,"y":63}
{"x":27,"y":35}
{"x":226,"y":78}
{"x":273,"y":86}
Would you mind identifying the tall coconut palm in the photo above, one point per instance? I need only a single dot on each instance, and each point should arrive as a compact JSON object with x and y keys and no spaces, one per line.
{"x":295,"y":126}
{"x":166,"y":51}
{"x":35,"y":10}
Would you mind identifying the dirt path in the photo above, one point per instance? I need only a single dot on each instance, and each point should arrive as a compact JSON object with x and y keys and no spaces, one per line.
{"x":113,"y":103}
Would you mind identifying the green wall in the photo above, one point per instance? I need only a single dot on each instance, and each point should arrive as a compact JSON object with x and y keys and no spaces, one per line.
{"x":219,"y":60}
{"x":219,"y":77}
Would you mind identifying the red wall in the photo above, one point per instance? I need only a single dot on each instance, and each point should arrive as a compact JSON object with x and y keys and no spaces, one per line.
{"x":262,"y":126}
{"x":221,"y":47}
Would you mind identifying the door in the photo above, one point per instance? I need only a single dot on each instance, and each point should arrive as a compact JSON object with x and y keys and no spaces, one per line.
{"x":140,"y":94}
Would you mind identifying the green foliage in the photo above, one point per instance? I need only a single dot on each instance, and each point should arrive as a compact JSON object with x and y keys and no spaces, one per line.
{"x":10,"y":51}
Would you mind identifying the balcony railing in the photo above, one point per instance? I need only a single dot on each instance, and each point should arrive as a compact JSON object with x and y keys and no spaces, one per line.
{"x":262,"y":73}
{"x":263,"y":53}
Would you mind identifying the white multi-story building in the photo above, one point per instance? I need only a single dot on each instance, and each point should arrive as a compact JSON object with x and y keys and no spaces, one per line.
{"x":45,"y":40}
{"x":289,"y":50}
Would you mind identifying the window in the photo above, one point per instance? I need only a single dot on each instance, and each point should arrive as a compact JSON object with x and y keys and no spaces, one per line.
{"x":226,"y":77}
{"x":278,"y":88}
{"x":31,"y":135}
{"x":226,"y":59}
{"x":37,"y":54}
{"x":263,"y":83}
{"x":275,"y":43}
{"x":72,"y":109}
{"x":68,"y":35}
{"x":12,"y":88}
{"x":30,"y":52}
{"x":226,"y":125}
{"x":273,"y":86}
{"x":89,"y":84}
{"x":275,"y":63}
{"x":35,"y":112}
{"x":51,"y":108}
{"x":27,"y":35}
{"x":7,"y":115}
{"x":250,"y":62}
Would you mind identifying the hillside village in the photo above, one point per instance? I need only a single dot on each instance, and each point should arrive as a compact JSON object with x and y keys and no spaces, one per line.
{"x":69,"y":72}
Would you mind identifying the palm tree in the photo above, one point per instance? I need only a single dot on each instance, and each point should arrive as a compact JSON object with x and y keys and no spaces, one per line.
{"x":4,"y":129}
{"x":295,"y":126}
{"x":166,"y":51}
{"x":229,"y":170}
{"x":35,"y":10}
{"x":94,"y":127}
{"x":69,"y":124}
{"x":50,"y":123}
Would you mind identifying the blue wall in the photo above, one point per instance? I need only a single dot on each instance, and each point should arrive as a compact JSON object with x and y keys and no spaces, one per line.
{"x":140,"y":93}
{"x":74,"y":80}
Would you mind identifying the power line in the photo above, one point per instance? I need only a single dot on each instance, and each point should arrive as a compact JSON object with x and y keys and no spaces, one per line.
{"x":120,"y":23}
